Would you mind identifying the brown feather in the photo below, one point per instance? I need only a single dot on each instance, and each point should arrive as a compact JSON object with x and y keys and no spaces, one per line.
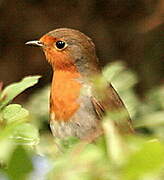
{"x":116,"y":109}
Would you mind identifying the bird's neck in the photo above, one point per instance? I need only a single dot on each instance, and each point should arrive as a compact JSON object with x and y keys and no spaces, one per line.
{"x":65,"y":91}
{"x":88,"y":66}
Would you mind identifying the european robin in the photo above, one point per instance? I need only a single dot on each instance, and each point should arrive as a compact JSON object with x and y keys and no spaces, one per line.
{"x":72,"y":113}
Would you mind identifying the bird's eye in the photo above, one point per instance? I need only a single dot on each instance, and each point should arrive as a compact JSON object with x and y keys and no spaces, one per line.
{"x":60,"y":45}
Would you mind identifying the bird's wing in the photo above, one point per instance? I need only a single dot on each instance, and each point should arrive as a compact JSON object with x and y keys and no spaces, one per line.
{"x":112,"y":104}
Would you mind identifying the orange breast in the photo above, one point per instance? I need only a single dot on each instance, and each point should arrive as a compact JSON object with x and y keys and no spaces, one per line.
{"x":65,"y":92}
{"x":65,"y":88}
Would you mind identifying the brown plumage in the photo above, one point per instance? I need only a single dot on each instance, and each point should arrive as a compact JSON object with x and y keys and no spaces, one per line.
{"x":76,"y":109}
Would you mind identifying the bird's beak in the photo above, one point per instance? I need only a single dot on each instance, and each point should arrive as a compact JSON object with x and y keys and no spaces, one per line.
{"x":35,"y":43}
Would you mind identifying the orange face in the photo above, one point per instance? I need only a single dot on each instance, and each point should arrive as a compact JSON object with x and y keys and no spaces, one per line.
{"x":56,"y":52}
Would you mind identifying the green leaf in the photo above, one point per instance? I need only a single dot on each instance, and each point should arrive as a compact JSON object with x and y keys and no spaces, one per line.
{"x":26,"y":134}
{"x":113,"y":69}
{"x":69,"y":142}
{"x":14,"y":112}
{"x":116,"y":146}
{"x":147,"y":160}
{"x":11,"y":91}
{"x":152,"y":120}
{"x":100,"y":84}
{"x":20,"y":164}
{"x":125,"y":80}
{"x":7,"y":147}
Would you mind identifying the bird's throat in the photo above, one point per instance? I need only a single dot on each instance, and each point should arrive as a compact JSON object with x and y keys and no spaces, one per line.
{"x":65,"y":92}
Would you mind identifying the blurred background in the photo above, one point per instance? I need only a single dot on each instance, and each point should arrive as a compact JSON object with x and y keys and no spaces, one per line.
{"x":130,"y":31}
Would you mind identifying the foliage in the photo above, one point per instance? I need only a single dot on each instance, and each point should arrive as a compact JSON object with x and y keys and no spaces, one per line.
{"x":111,"y":157}
{"x":15,"y":130}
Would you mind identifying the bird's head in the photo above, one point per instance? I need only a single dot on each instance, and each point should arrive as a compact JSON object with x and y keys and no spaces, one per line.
{"x":67,"y":48}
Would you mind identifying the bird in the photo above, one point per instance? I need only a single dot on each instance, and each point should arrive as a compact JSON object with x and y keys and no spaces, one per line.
{"x":76,"y":108}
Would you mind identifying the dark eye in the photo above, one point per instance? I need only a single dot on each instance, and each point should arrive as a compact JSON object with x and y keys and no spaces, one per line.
{"x":60,"y":44}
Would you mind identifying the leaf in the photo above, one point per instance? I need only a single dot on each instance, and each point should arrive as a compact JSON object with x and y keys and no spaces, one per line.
{"x":151,"y":120}
{"x":148,"y":159}
{"x":68,"y":142}
{"x":20,"y":164}
{"x":113,"y":69}
{"x":116,"y":146}
{"x":7,"y":147}
{"x":11,"y":91}
{"x":14,"y":112}
{"x":26,"y":134}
